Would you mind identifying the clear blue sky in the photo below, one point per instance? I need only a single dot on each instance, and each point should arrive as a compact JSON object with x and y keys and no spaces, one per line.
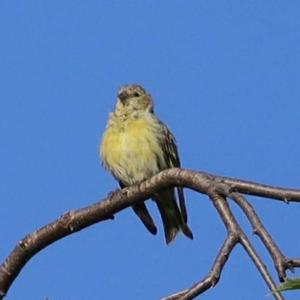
{"x":225,"y":77}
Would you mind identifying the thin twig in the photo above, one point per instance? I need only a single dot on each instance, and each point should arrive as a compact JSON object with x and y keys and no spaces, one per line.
{"x":280,"y":261}
{"x":232,"y":225}
{"x":260,"y":266}
{"x":261,"y":190}
{"x":212,"y":279}
{"x":294,"y":262}
{"x":235,"y":235}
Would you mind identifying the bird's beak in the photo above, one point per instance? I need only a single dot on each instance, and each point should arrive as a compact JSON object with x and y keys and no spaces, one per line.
{"x":123,"y":96}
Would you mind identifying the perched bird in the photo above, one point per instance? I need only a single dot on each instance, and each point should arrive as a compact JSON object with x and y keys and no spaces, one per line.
{"x":135,"y":146}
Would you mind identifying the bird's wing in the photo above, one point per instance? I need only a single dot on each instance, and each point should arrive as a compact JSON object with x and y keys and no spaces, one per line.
{"x":168,"y":145}
{"x":142,"y":212}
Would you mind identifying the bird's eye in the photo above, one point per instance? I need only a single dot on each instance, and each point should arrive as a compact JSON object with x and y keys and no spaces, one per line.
{"x":136,"y":94}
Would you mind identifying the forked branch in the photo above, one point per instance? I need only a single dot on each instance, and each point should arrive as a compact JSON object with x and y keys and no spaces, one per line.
{"x":217,"y":188}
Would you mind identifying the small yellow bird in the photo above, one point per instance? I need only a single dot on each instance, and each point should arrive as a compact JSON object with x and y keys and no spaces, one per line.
{"x":135,"y":146}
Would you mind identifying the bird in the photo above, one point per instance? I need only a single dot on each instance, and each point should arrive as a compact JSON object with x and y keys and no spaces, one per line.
{"x":135,"y":146}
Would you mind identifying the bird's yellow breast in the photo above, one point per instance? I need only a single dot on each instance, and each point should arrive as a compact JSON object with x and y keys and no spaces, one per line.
{"x":131,"y":149}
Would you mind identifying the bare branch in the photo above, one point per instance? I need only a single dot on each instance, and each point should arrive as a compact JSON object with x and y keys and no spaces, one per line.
{"x":232,"y":225}
{"x":279,"y":259}
{"x":214,"y":275}
{"x":294,"y":262}
{"x":235,"y":235}
{"x":260,"y":266}
{"x":205,"y":183}
{"x":262,"y":190}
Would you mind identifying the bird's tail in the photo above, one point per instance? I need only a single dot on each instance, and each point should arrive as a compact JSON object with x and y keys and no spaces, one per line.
{"x":172,"y":218}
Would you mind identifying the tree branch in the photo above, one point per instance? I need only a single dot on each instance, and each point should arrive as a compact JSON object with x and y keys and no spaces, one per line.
{"x":235,"y":235}
{"x":212,"y":279}
{"x":205,"y":183}
{"x":280,"y":261}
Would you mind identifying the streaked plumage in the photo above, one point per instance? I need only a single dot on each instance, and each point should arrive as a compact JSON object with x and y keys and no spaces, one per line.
{"x":135,"y":146}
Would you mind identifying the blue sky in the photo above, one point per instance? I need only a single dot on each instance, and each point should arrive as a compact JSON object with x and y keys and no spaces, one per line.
{"x":225,"y":77}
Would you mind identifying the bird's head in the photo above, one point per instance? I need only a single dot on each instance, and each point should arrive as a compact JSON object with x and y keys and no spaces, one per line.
{"x":133,"y":98}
